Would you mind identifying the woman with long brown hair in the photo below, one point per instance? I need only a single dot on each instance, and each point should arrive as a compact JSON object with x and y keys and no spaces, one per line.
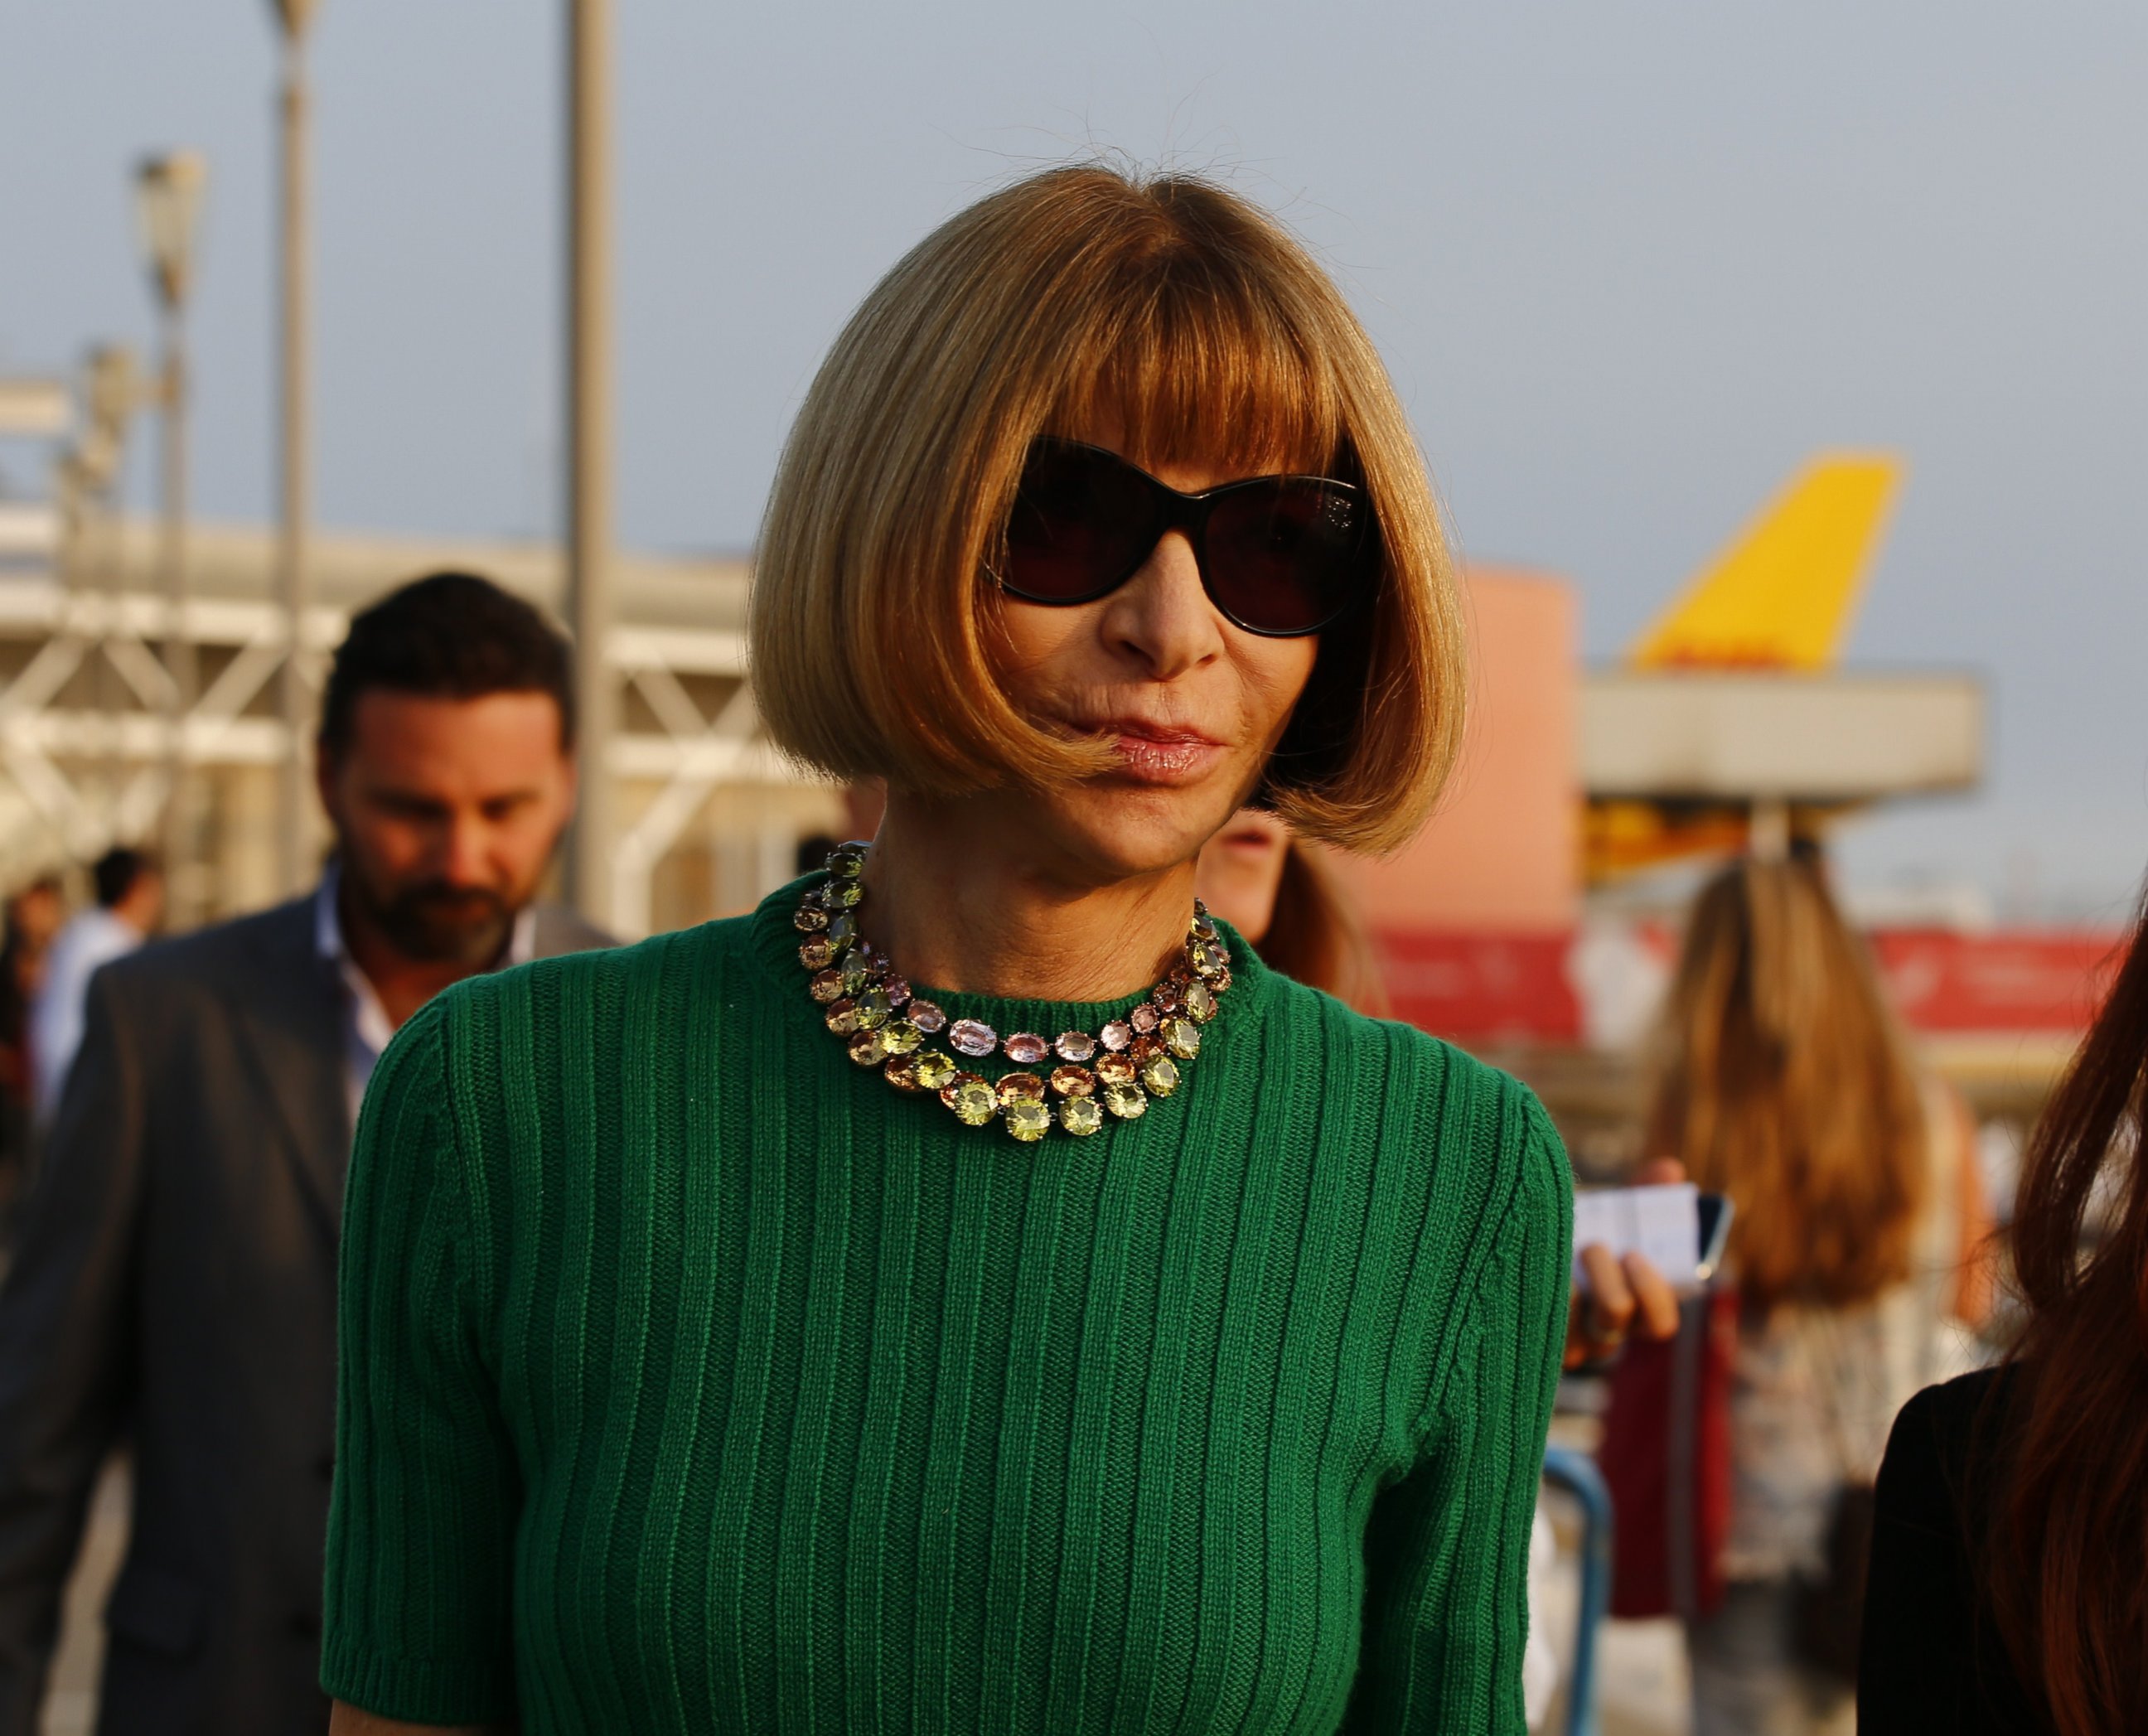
{"x":2009,"y":1588}
{"x":1784,"y":1081}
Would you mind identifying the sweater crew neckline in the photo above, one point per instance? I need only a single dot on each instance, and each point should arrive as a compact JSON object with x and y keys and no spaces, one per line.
{"x":775,"y":942}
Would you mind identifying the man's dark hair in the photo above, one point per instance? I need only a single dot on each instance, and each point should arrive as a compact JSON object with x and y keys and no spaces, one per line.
{"x":116,"y":873}
{"x":448,"y":635}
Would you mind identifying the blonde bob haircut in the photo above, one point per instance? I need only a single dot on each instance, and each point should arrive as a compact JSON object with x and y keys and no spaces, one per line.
{"x":1208,"y":332}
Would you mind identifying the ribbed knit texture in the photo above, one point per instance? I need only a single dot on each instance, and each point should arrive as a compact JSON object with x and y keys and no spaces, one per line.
{"x":693,"y":1380}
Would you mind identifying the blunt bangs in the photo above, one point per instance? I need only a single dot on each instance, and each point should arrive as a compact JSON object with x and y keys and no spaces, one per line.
{"x":1191,"y":320}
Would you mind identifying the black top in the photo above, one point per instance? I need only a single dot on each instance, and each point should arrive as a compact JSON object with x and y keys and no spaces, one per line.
{"x":1933,"y":1663}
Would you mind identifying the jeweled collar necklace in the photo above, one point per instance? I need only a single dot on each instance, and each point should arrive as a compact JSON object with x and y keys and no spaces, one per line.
{"x":1116,"y":1070}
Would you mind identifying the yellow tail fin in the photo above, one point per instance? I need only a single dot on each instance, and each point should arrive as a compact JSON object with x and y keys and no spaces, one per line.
{"x":1783,"y":594}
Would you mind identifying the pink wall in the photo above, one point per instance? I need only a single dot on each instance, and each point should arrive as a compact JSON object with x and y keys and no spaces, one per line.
{"x":1503,"y":850}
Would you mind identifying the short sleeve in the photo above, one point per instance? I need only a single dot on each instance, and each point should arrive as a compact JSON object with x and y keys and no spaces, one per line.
{"x":422,"y":1518}
{"x":1448,"y":1548}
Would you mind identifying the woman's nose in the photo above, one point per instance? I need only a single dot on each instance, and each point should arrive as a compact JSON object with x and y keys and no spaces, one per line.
{"x":1160,"y":617}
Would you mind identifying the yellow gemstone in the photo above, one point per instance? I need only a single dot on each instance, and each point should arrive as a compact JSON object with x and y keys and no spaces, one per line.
{"x":847,"y":861}
{"x":1080,"y":1116}
{"x":1181,"y":1036}
{"x":1200,"y":1002}
{"x":1208,"y":958}
{"x":873,"y":1009}
{"x":901,"y":1038}
{"x":843,"y":931}
{"x":973,"y":1102}
{"x":857,"y":971}
{"x":1159,"y":1076}
{"x":867,"y":1050}
{"x":841,"y":894}
{"x":1028,"y":1119}
{"x":934,"y":1070}
{"x":842,"y":1017}
{"x":1124,"y":1099}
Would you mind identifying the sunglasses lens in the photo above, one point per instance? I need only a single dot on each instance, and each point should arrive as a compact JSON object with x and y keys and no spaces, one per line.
{"x":1083,"y":521}
{"x":1289,"y":556}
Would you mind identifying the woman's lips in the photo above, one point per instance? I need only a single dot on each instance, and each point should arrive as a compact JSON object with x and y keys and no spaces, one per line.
{"x":1151,"y":755}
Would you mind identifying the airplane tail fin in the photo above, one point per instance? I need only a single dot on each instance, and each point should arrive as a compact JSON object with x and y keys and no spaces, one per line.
{"x":1783,"y":594}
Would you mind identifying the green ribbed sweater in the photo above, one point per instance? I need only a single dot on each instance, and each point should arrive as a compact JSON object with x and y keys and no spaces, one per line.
{"x":693,"y":1380}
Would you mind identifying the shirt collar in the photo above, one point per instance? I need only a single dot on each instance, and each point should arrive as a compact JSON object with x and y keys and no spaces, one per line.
{"x":328,"y":929}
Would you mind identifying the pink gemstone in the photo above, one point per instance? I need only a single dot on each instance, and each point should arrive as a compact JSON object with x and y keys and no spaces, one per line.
{"x":898,"y":991}
{"x":1025,"y":1048}
{"x":926,"y":1017}
{"x":1075,"y":1045}
{"x":1117,"y":1035}
{"x":1143,"y":1018}
{"x":973,"y":1037}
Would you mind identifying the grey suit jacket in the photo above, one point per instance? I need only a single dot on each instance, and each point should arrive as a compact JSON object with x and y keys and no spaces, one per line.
{"x":174,"y":1286}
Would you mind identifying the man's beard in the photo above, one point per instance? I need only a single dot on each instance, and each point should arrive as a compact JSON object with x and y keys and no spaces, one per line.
{"x":436,"y":922}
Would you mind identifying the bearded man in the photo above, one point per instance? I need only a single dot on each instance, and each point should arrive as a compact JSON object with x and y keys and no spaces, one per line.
{"x":174,"y":1284}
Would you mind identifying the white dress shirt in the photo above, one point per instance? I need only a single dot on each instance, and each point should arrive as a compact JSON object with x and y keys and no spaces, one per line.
{"x":90,"y":941}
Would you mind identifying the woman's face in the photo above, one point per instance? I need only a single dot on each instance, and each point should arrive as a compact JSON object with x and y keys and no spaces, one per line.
{"x":1190,"y":705}
{"x":1240,"y":870}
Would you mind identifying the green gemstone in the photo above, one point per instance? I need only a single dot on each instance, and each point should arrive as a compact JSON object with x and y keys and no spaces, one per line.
{"x":1160,"y":1076}
{"x":902,"y":1037}
{"x":842,"y":930}
{"x":847,"y":861}
{"x":868,"y":1049}
{"x":842,"y":1017}
{"x":873,"y":1009}
{"x":973,"y":1102}
{"x":809,"y":919}
{"x":857,"y":971}
{"x":816,"y":954}
{"x":935,"y":1068}
{"x":840,"y":895}
{"x":1028,"y":1119}
{"x":1200,"y":1002}
{"x":1181,"y":1036}
{"x":1080,"y":1116}
{"x":1124,"y":1099}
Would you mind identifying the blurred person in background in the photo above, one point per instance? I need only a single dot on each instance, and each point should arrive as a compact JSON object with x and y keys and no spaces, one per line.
{"x":33,"y":918}
{"x":129,"y":889}
{"x":722,"y":1353}
{"x":2009,"y":1589}
{"x":174,"y":1285}
{"x":1785,"y":1082}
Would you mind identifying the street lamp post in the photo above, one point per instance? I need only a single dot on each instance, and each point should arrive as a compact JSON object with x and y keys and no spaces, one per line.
{"x":590,"y":443}
{"x":293,"y":468}
{"x":168,"y":191}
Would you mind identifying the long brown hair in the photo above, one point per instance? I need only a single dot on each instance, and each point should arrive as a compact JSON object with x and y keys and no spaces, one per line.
{"x":2068,"y":1571}
{"x":1783,"y":1081}
{"x":1317,"y":936}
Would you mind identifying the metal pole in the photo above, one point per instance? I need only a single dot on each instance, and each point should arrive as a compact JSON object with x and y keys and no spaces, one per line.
{"x":180,"y":660}
{"x":590,"y":444}
{"x":293,"y":871}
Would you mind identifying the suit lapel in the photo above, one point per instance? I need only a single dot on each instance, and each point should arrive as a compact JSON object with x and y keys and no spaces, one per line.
{"x":288,"y":1010}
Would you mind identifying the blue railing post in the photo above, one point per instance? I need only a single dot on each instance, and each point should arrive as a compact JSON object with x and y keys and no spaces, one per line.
{"x":1576,"y":1473}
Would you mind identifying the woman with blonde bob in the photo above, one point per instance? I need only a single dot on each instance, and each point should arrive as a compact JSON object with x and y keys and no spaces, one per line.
{"x":972,"y":1291}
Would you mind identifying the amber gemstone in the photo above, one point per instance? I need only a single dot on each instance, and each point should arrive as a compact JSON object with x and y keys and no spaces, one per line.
{"x":1080,"y":1116}
{"x":1200,"y":1003}
{"x":1115,"y":1069}
{"x":1073,"y":1081}
{"x":809,"y":919}
{"x":827,"y":986}
{"x":1075,"y":1045}
{"x":901,"y":1038}
{"x":973,"y":1038}
{"x":1160,"y":1074}
{"x":1028,"y":1119}
{"x":934,"y":1070}
{"x":926,"y":1017}
{"x":901,"y":1072}
{"x":1221,"y":981}
{"x":1117,"y":1034}
{"x":1145,"y":1049}
{"x":1143,"y":1018}
{"x":1167,"y":995}
{"x":973,"y":1102}
{"x":1025,"y":1048}
{"x":1126,"y":1101}
{"x":1019,"y":1084}
{"x":868,"y":1049}
{"x":873,"y":1009}
{"x":843,"y":1017}
{"x":1181,"y":1036}
{"x":816,"y":953}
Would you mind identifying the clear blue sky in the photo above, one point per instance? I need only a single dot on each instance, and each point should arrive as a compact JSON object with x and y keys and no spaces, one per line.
{"x":1628,"y":262}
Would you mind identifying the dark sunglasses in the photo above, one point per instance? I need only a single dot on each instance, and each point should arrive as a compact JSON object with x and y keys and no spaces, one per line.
{"x":1279,"y":556}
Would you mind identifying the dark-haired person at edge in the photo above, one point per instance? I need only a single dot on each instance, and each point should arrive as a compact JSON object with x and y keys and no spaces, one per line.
{"x":1287,"y":904}
{"x":973,"y":1291}
{"x":2008,"y":1587}
{"x":33,"y":918}
{"x":174,"y":1286}
{"x":1784,"y":1081}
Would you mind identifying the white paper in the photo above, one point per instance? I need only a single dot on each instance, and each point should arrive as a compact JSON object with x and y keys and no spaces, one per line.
{"x":1662,"y":1224}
